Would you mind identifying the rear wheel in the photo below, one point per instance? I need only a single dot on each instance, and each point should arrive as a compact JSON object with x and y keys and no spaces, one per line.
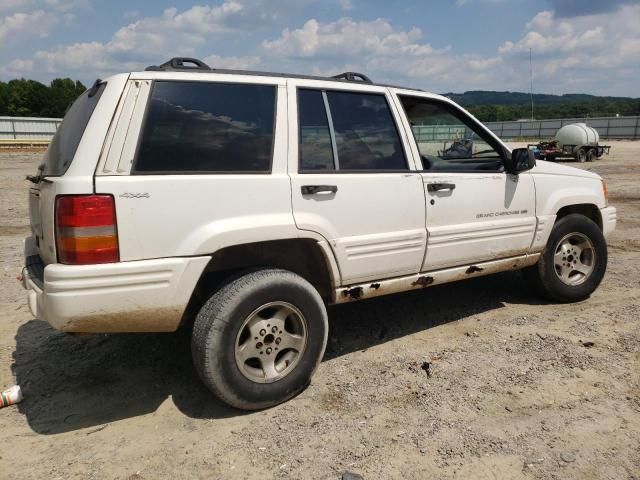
{"x":573,"y":263}
{"x":591,"y":155}
{"x":581,"y":156}
{"x":257,"y":341}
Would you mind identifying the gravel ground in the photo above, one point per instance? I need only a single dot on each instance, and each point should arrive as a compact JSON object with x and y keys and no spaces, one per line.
{"x":477,"y":379}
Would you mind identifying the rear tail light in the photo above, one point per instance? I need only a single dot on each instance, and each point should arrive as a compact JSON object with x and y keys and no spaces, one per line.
{"x":86,"y":229}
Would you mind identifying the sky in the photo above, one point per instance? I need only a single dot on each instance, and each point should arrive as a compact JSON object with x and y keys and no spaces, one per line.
{"x":578,"y":46}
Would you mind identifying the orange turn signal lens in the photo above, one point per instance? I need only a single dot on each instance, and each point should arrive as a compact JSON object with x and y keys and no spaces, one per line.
{"x":86,"y":229}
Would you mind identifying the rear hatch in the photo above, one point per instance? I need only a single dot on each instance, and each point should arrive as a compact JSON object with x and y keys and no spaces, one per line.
{"x":61,"y":172}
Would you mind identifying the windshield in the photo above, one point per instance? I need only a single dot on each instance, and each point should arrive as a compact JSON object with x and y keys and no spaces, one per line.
{"x":64,"y":144}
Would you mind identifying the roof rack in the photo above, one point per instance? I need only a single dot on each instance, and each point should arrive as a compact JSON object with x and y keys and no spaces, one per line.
{"x":180,"y":63}
{"x":353,"y":77}
{"x":194,"y":65}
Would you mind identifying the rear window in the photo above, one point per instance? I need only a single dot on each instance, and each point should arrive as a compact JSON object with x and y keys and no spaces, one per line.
{"x":207,"y":127}
{"x":65,"y":142}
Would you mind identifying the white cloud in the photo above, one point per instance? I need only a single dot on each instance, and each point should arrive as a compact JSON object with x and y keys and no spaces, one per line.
{"x":347,"y":38}
{"x":346,"y":4}
{"x":131,"y":14}
{"x":65,"y":5}
{"x":14,"y":6}
{"x":19,"y":25}
{"x":154,"y":35}
{"x":34,"y":18}
{"x":372,"y":47}
{"x":19,"y":67}
{"x":598,"y":53}
{"x":142,"y":42}
{"x":232,"y":63}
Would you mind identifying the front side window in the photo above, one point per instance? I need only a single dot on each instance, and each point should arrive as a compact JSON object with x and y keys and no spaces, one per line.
{"x":446,"y":140}
{"x":348,"y":131}
{"x":207,"y":127}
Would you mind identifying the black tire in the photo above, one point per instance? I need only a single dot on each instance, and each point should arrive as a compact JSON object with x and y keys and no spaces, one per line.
{"x":543,"y":276}
{"x":217,"y":328}
{"x":581,"y":155}
{"x":599,"y":154}
{"x":591,"y":155}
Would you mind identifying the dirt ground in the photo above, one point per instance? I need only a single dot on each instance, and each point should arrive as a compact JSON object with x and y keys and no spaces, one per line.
{"x":512,"y":389}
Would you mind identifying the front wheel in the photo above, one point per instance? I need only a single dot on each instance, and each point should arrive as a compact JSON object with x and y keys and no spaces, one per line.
{"x":581,"y":156}
{"x":591,"y":155}
{"x":257,"y":341}
{"x":573,"y":263}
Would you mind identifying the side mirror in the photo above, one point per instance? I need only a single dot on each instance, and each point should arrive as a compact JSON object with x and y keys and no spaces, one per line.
{"x":520,"y":160}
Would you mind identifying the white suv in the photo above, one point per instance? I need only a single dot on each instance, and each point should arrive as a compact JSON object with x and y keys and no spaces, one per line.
{"x":249,"y":201}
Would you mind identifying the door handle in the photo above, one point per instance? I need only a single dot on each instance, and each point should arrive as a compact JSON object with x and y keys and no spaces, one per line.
{"x":311,"y":189}
{"x":437,"y":187}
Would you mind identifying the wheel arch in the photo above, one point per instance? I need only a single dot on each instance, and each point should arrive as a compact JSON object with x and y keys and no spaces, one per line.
{"x":589,"y":210}
{"x":313,"y":260}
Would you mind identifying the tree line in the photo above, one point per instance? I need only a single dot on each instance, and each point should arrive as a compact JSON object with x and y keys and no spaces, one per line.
{"x":29,"y":98}
{"x":490,"y":106}
{"x":591,"y":108}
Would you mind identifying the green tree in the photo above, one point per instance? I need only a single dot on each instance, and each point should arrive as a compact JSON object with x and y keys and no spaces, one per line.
{"x":4,"y":98}
{"x":26,"y":98}
{"x":62,"y":93}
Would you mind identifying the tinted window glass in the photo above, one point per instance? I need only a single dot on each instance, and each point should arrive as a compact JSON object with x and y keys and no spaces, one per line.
{"x":315,"y":141}
{"x":445,"y":140}
{"x":366,"y":135}
{"x":65,"y":142}
{"x":207,"y":127}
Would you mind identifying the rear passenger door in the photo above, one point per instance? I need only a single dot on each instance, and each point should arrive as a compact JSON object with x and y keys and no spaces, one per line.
{"x":352,"y":179}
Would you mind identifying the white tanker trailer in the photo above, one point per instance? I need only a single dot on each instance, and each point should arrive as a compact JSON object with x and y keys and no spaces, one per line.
{"x":577,"y":141}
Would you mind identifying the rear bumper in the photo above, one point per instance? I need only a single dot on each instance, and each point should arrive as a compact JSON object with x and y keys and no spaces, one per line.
{"x":609,"y":216}
{"x":137,"y":296}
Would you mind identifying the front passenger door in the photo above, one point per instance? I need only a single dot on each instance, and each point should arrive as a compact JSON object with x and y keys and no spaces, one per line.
{"x":475,"y":211}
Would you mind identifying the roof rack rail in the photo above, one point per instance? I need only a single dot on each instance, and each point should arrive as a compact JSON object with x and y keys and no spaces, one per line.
{"x":187,"y":64}
{"x":353,"y":77}
{"x":180,"y":63}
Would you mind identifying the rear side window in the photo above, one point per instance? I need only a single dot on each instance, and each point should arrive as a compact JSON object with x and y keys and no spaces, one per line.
{"x":207,"y":127}
{"x":316,"y":152}
{"x":65,"y":142}
{"x":366,"y":134}
{"x":347,"y":131}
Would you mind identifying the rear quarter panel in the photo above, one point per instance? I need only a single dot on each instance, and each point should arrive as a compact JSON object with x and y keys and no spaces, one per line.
{"x":78,"y":179}
{"x":168,"y":215}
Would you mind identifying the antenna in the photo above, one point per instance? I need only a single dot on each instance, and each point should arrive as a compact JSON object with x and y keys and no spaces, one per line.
{"x":531,"y":82}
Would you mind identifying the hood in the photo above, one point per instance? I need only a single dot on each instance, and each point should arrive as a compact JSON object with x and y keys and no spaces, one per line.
{"x":552,"y":168}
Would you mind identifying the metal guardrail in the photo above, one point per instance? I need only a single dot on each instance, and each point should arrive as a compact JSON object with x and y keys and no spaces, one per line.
{"x":25,"y":130}
{"x":607,"y":127}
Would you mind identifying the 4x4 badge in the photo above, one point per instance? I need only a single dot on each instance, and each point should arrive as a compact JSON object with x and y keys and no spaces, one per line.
{"x":134,"y":195}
